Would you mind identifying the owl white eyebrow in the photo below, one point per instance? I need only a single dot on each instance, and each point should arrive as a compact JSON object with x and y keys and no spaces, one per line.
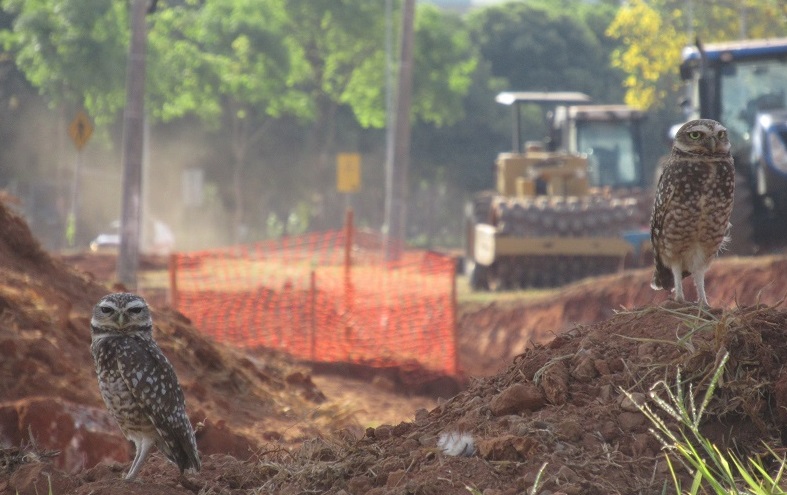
{"x":135,"y":304}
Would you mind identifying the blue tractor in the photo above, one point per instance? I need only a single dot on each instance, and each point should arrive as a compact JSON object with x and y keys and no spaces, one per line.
{"x":743,"y":85}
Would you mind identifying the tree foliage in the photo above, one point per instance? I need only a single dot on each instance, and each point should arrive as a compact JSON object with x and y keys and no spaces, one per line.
{"x":225,"y":55}
{"x":279,"y":86}
{"x":540,"y":48}
{"x":445,"y":61}
{"x":650,"y":54}
{"x":71,"y":50}
{"x":344,"y":46}
{"x":341,"y":44}
{"x":654,"y":32}
{"x":731,"y":19}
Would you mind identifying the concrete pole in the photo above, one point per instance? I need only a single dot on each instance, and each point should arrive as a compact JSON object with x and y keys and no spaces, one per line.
{"x":398,"y":149}
{"x":133,"y":138}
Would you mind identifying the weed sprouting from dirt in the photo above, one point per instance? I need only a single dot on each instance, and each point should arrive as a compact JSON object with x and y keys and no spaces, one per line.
{"x":733,"y":361}
{"x":711,"y":466}
{"x":690,"y":321}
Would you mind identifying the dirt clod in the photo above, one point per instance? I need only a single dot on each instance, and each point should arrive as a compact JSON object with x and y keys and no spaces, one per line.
{"x":517,"y":398}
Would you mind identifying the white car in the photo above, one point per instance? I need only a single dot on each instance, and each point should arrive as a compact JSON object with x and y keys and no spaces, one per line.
{"x":107,"y":240}
{"x":163,"y":239}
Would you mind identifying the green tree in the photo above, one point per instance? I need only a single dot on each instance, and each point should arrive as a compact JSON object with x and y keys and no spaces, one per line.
{"x":342,"y":47}
{"x":445,"y":61}
{"x":729,"y":19}
{"x":235,"y":66}
{"x":258,"y":62}
{"x":540,"y":49}
{"x":73,"y":51}
{"x":547,"y":46}
{"x":253,"y":70}
{"x":226,"y":61}
{"x":344,"y":44}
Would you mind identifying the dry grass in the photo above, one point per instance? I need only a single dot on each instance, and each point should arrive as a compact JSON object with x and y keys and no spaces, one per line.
{"x":726,"y":358}
{"x":13,"y":457}
{"x":315,"y":467}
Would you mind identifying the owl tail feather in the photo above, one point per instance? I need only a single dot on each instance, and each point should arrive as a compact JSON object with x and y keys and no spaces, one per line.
{"x":662,"y":277}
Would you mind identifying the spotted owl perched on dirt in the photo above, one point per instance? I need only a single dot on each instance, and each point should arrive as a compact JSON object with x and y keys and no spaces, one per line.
{"x":138,"y":384}
{"x":693,"y":203}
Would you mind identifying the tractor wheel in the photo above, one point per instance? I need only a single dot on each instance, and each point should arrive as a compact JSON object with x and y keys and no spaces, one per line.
{"x":742,"y":218}
{"x":478,"y":276}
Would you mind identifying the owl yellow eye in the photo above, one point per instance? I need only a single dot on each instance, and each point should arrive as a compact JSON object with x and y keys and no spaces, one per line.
{"x":695,"y":135}
{"x":135,"y":311}
{"x":722,"y":134}
{"x":106,"y":310}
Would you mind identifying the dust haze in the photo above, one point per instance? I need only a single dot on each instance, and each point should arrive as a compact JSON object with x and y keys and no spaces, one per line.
{"x":287,"y":187}
{"x":40,"y":166}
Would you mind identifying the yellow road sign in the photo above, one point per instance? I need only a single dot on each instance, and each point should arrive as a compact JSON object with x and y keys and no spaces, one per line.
{"x":80,"y":129}
{"x":348,"y":172}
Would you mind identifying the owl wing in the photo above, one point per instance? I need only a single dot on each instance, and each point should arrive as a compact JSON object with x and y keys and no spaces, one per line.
{"x":152,"y":382}
{"x":665,"y":192}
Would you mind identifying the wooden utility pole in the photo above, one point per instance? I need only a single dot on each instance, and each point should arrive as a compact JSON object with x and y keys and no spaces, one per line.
{"x":133,"y":139}
{"x":398,"y":143}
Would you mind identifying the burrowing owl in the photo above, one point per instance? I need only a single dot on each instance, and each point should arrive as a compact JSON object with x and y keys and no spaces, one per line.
{"x":693,"y":204}
{"x":138,"y":383}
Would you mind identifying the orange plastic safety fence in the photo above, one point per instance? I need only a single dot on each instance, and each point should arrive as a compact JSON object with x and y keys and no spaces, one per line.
{"x":298,"y":295}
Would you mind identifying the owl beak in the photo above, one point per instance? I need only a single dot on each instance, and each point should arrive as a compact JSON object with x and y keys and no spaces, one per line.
{"x":713,"y":144}
{"x":120,"y":319}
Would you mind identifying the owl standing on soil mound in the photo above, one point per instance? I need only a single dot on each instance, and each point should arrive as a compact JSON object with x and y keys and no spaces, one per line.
{"x":138,"y":384}
{"x":693,"y":204}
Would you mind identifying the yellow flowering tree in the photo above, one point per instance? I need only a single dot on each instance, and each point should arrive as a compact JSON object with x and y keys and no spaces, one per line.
{"x":654,"y":32}
{"x":650,"y":55}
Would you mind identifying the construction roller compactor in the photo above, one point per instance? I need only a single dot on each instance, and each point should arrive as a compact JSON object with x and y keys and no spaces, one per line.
{"x":570,"y":207}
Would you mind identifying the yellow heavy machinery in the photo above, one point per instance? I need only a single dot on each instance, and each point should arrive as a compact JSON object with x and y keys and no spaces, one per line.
{"x":572,"y":206}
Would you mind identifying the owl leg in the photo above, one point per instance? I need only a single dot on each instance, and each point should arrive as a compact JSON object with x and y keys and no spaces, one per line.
{"x":677,"y":275}
{"x":699,"y":283}
{"x":143,"y":449}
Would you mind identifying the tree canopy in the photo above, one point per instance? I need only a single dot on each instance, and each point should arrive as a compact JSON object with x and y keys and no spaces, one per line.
{"x":546,"y":48}
{"x":71,"y":50}
{"x":652,"y":34}
{"x":273,"y":89}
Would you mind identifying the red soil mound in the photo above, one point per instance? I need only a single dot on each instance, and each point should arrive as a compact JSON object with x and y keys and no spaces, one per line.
{"x":48,"y":386}
{"x":557,"y":406}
